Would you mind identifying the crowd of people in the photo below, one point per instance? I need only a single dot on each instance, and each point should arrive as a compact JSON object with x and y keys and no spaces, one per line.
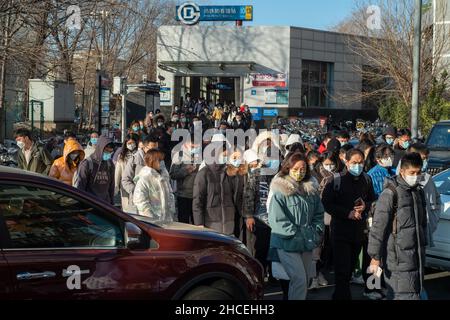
{"x":303,"y":212}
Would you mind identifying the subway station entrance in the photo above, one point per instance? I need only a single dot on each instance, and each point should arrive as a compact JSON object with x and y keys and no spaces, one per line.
{"x":213,"y":89}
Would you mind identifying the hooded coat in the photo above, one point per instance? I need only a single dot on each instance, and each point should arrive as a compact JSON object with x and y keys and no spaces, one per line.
{"x":402,"y":250}
{"x":97,"y":178}
{"x":60,"y":169}
{"x":300,"y":201}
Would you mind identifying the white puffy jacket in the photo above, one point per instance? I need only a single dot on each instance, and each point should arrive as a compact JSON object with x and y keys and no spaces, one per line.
{"x":153,"y":195}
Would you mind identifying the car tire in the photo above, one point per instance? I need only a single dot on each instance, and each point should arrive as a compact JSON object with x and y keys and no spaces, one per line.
{"x":206,"y":293}
{"x":229,"y":288}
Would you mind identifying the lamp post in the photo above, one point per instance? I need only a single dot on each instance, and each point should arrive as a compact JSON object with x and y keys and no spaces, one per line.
{"x":416,"y":68}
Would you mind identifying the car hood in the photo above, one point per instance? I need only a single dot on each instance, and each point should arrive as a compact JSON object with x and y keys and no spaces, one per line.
{"x":191,"y":230}
{"x":446,"y":206}
{"x":439,"y":156}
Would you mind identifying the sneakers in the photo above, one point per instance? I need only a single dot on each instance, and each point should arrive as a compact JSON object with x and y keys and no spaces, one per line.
{"x":321,"y":279}
{"x":314,"y":284}
{"x":357,"y":280}
{"x":373,"y":295}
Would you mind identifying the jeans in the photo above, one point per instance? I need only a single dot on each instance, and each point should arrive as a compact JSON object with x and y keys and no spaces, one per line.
{"x":297,"y":266}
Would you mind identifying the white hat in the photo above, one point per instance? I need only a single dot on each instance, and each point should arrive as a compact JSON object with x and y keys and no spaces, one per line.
{"x":283,"y":139}
{"x":218,"y":137}
{"x":250,"y":156}
{"x":294,"y":138}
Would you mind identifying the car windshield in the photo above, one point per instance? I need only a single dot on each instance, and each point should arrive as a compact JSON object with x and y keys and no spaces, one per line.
{"x":440,"y":138}
{"x":442,"y":182}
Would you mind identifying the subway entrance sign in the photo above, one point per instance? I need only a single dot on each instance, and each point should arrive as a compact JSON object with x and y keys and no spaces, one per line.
{"x":191,"y":13}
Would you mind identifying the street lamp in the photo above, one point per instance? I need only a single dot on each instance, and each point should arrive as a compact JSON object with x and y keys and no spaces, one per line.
{"x":416,"y":68}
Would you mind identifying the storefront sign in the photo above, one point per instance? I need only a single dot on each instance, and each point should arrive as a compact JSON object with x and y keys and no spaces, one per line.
{"x":269,"y":80}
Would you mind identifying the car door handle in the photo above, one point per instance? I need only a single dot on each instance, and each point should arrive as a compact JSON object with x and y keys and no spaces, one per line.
{"x":39,"y":275}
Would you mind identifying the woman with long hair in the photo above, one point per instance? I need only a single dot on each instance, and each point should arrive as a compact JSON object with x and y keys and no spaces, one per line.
{"x":296,"y":218}
{"x":129,"y":148}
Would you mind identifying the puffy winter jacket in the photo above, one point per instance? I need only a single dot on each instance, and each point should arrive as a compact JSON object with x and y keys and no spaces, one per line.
{"x":153,"y":195}
{"x":60,"y":169}
{"x":404,"y":235}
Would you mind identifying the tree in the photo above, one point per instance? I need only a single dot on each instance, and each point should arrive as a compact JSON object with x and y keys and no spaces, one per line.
{"x":389,"y":53}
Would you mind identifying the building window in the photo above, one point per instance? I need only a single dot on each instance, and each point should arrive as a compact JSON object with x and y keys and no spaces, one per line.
{"x":317,"y":84}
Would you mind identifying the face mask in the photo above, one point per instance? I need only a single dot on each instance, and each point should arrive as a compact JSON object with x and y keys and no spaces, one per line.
{"x":329,"y":167}
{"x":20,"y":144}
{"x":175,"y":119}
{"x":160,"y":124}
{"x":387,"y":162}
{"x":411,"y":180}
{"x":390,"y":141}
{"x":297,"y":175}
{"x":356,"y":169}
{"x":162,"y":165}
{"x":190,"y":109}
{"x":425,"y":165}
{"x":222,"y":160}
{"x":236,"y":163}
{"x":131,"y":147}
{"x":405,"y":144}
{"x":343,"y":143}
{"x":253,"y":170}
{"x":73,"y":156}
{"x":183,"y":119}
{"x":177,"y":109}
{"x":311,"y":167}
{"x":136,"y":129}
{"x":196,"y":150}
{"x":106,"y":156}
{"x":273,"y":164}
{"x":94,"y":141}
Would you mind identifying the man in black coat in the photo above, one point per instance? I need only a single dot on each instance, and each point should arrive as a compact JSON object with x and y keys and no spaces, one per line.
{"x":347,"y":198}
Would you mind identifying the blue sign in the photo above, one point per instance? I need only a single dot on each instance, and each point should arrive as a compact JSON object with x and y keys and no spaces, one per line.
{"x":253,"y":92}
{"x":190,"y":13}
{"x":256,"y":113}
{"x":270,"y":113}
{"x":224,"y":86}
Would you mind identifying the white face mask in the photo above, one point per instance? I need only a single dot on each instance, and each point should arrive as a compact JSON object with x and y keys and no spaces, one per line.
{"x":329,"y":167}
{"x":411,"y":180}
{"x":20,"y":144}
{"x":131,"y":147}
{"x":387,"y":162}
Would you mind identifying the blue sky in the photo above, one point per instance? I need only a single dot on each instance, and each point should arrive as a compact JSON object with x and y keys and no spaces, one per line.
{"x":315,"y":14}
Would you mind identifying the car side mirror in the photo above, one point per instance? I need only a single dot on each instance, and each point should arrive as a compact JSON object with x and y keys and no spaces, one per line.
{"x":134,"y":236}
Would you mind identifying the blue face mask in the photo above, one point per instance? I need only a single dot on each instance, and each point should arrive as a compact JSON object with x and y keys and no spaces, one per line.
{"x":405,"y":144}
{"x":425,"y":165}
{"x":273,"y":164}
{"x":390,"y":141}
{"x":106,"y":156}
{"x":222,"y":160}
{"x":136,"y":129}
{"x":356,"y":169}
{"x":236,"y":163}
{"x":195,"y":151}
{"x":94,"y":141}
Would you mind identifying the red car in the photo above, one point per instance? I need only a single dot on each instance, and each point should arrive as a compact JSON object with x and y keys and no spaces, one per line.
{"x":58,"y":242}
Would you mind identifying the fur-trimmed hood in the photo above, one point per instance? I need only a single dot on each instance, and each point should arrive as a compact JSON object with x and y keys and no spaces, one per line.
{"x":287,"y":186}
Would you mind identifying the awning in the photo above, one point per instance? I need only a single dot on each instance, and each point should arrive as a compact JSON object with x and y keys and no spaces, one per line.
{"x":212,"y":68}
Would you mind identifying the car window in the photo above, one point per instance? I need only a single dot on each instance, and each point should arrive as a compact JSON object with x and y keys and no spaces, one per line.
{"x":440,"y":137}
{"x":41,"y":218}
{"x":442,"y":182}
